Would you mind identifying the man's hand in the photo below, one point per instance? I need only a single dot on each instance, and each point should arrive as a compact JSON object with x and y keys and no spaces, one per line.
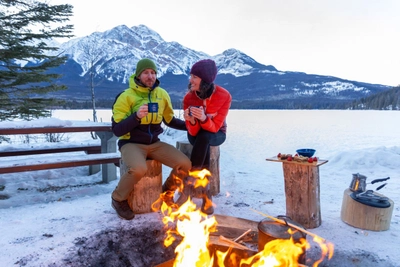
{"x":143,"y":111}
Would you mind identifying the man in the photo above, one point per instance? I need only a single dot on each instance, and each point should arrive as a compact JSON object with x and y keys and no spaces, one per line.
{"x":137,"y":115}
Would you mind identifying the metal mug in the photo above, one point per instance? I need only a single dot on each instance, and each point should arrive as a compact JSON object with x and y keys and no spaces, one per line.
{"x":359,"y":183}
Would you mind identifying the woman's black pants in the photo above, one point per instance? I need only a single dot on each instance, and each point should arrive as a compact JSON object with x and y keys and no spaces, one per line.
{"x":200,"y":156}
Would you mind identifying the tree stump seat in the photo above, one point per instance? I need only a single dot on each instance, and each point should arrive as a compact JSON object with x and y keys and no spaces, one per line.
{"x":214,"y":181}
{"x":148,"y":189}
{"x":364,"y":216}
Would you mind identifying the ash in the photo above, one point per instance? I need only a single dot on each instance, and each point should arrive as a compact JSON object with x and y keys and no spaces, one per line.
{"x":123,"y":247}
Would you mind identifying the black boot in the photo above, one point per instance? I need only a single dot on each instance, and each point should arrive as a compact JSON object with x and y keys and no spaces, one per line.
{"x":169,"y":185}
{"x":123,"y":210}
{"x":168,"y":192}
{"x":173,"y":182}
{"x":186,"y":190}
{"x":207,"y":205}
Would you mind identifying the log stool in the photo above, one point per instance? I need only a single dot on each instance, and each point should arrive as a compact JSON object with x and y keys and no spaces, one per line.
{"x":148,"y":189}
{"x":214,"y":183}
{"x":364,"y":216}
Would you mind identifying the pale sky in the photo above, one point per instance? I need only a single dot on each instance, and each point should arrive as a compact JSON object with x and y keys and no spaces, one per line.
{"x":351,"y":39}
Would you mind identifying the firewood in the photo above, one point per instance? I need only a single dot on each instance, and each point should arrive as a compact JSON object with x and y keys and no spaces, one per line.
{"x":241,"y":236}
{"x":233,"y":243}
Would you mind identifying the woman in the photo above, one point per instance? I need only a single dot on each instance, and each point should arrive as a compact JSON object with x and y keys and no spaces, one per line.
{"x":206,"y":106}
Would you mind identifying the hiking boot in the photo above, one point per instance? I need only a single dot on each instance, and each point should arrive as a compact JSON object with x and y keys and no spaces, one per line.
{"x":186,"y":191}
{"x":168,"y":198}
{"x":207,"y":205}
{"x":123,"y":210}
{"x":172,"y":183}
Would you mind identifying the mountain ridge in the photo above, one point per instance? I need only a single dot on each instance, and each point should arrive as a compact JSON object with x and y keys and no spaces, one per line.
{"x":112,"y":55}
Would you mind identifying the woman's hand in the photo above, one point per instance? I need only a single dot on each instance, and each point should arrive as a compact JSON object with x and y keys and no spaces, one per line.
{"x":198,"y":113}
{"x":188,"y":117}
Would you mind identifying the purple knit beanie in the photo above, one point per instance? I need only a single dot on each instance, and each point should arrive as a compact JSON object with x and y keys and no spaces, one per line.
{"x":205,"y":69}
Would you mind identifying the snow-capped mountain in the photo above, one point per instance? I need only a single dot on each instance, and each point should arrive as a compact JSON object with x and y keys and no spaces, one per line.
{"x":113,"y":55}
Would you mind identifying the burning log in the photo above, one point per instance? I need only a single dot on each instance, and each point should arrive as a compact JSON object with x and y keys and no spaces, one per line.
{"x":242,"y":235}
{"x":232,"y":243}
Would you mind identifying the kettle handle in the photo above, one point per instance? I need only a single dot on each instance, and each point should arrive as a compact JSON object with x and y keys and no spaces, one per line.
{"x":379,"y":180}
{"x":284,"y":218}
{"x":380,"y":187}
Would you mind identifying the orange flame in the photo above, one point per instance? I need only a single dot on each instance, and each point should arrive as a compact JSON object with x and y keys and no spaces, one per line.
{"x":278,"y":252}
{"x":195,"y":228}
{"x":201,"y":176}
{"x":188,"y":222}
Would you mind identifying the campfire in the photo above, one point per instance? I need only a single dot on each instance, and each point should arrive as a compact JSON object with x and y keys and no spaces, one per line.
{"x":199,"y":247}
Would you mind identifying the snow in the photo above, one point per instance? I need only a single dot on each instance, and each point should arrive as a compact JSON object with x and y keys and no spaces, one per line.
{"x":35,"y":123}
{"x":44,"y":214}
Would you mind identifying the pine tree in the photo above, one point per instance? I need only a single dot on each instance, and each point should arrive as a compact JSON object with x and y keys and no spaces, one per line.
{"x":27,"y":60}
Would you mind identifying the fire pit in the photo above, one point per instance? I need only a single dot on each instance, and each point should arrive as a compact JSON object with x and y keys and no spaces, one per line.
{"x":236,"y":243}
{"x":205,"y":244}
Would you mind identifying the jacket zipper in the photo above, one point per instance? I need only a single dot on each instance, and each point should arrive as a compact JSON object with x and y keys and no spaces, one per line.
{"x":149,"y":125}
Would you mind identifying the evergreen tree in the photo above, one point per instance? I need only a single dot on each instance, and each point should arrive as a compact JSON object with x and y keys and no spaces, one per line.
{"x":27,"y":58}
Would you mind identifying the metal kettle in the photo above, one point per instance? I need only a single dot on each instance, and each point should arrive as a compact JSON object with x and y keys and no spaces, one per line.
{"x":358,"y":183}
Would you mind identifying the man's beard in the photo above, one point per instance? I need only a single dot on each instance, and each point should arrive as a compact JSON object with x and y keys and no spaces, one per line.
{"x":148,"y":82}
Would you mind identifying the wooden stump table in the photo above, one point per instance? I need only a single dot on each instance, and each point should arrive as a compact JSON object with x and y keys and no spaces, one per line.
{"x":302,"y":191}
